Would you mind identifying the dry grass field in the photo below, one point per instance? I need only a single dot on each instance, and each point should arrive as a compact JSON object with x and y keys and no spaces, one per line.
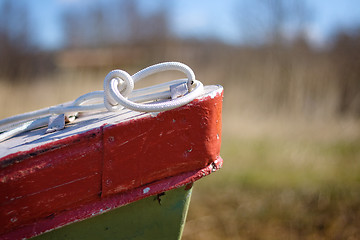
{"x":281,"y":180}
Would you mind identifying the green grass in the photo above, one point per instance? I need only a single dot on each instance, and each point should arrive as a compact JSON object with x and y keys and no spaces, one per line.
{"x":274,"y":163}
{"x":280,"y":188}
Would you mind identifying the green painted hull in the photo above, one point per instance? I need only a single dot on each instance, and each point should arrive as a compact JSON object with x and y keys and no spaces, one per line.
{"x":154,"y":217}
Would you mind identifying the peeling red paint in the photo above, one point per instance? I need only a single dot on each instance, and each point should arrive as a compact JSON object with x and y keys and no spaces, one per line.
{"x":84,"y":211}
{"x":66,"y":180}
{"x":50,"y":182}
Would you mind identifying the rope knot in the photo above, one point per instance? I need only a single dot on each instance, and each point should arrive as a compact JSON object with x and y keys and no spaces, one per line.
{"x":118,"y":85}
{"x":117,"y":82}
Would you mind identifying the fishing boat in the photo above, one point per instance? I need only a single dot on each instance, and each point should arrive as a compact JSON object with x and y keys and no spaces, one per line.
{"x":112,"y":164}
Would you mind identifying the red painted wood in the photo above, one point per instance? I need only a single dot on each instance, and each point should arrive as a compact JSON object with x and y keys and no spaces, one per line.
{"x":153,"y":148}
{"x":86,"y":169}
{"x":43,"y":183}
{"x":106,"y":204}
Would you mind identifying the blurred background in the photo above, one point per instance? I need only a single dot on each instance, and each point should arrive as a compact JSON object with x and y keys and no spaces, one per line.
{"x":291,"y":114}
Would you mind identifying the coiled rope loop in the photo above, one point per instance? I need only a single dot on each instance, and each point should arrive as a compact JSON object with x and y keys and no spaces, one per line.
{"x":119,"y":84}
{"x":118,"y":93}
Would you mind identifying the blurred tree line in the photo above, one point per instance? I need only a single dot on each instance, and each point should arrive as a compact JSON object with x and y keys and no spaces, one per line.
{"x":274,"y":67}
{"x":19,"y":56}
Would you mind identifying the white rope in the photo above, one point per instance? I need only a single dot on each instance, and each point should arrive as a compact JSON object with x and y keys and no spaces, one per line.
{"x":115,"y":98}
{"x":118,"y":93}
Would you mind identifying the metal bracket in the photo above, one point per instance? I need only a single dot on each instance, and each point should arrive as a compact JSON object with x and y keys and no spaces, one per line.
{"x":178,"y":90}
{"x":56,"y":123}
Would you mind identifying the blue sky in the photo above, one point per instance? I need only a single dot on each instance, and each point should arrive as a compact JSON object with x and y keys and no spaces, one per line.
{"x":200,"y":18}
